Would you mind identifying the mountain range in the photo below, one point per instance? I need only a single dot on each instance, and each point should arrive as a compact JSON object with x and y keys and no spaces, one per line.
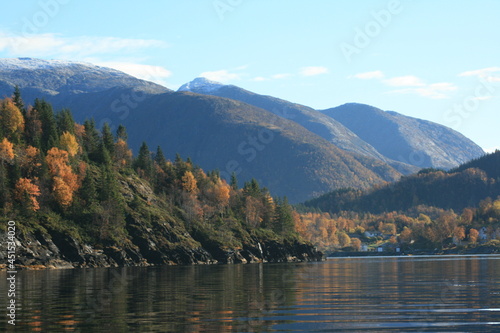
{"x":292,"y":149}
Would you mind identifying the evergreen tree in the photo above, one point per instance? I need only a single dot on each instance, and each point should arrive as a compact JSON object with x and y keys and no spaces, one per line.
{"x":65,"y":122}
{"x":108,"y":189}
{"x":108,"y":139}
{"x":252,"y":188}
{"x":102,"y":155}
{"x":17,"y":99}
{"x":180,"y":166}
{"x":121,"y":133}
{"x":50,"y":137}
{"x":160,"y":157}
{"x":88,"y":191}
{"x":33,"y":128}
{"x":91,"y":139}
{"x":234,"y":181}
{"x":144,"y":161}
{"x":283,"y":222}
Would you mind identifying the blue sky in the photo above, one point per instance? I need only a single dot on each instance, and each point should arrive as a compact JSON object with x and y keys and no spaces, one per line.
{"x":436,"y":60}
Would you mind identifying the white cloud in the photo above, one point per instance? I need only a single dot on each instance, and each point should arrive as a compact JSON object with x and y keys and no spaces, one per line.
{"x":369,"y":75}
{"x":54,"y":45}
{"x":433,"y":91}
{"x":481,"y":72}
{"x":404,"y":81}
{"x":490,"y":74}
{"x":260,"y":79}
{"x":155,"y":74}
{"x":313,"y":70}
{"x":223,"y":76}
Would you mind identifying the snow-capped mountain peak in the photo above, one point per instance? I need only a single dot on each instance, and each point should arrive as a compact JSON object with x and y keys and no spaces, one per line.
{"x":201,"y":84}
{"x":55,"y":76}
{"x":32,"y":63}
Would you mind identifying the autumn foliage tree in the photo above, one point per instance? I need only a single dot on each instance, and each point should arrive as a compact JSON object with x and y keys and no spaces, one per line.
{"x":6,"y":151}
{"x":11,"y":120}
{"x":473,"y":235}
{"x":65,"y":181}
{"x":68,"y":143}
{"x":27,"y":193}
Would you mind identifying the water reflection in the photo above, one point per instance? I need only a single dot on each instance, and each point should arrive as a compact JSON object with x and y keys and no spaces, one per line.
{"x":372,"y":294}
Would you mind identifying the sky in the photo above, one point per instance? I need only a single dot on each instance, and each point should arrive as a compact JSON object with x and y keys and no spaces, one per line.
{"x":437,"y":60}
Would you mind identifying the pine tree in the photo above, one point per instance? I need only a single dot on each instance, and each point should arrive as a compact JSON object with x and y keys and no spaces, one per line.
{"x":88,"y":191}
{"x":252,"y":188}
{"x":102,"y":155}
{"x":49,"y":136}
{"x":108,"y":139}
{"x":91,"y":139}
{"x":18,"y":101}
{"x":160,"y":158}
{"x":108,"y":185}
{"x":33,"y":128}
{"x":144,"y":163}
{"x":283,"y":222}
{"x":121,"y":133}
{"x":234,"y":181}
{"x":65,"y":122}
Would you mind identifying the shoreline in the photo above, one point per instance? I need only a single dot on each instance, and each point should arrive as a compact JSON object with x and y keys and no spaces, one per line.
{"x":479,"y":250}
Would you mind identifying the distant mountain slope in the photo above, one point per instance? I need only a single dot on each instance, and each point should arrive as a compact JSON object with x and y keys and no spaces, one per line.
{"x":228,"y":135}
{"x":217,"y":133}
{"x":406,"y":139}
{"x":38,"y":77}
{"x":313,"y":120}
{"x":457,"y":189}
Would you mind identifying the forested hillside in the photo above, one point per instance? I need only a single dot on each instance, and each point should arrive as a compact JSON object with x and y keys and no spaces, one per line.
{"x":456,"y":189}
{"x":433,"y":209}
{"x":78,"y":195}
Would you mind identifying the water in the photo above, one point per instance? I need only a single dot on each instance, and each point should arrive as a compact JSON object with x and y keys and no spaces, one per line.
{"x":401,"y":294}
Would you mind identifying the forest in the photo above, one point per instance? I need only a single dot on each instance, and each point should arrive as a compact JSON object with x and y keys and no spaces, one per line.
{"x":56,"y":174}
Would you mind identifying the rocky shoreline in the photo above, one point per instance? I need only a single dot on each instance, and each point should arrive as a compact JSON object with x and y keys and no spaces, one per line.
{"x":56,"y":250}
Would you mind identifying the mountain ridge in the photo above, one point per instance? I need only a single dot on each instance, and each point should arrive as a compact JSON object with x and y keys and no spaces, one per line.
{"x":407,"y":139}
{"x":342,"y":133}
{"x":292,"y":156}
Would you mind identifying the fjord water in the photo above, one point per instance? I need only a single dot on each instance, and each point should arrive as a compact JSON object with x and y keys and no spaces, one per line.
{"x":375,"y":294}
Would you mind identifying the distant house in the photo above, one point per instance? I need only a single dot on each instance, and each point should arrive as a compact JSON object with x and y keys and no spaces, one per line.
{"x":380,"y":249}
{"x":364,"y":248}
{"x":372,"y":234}
{"x":483,"y":233}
